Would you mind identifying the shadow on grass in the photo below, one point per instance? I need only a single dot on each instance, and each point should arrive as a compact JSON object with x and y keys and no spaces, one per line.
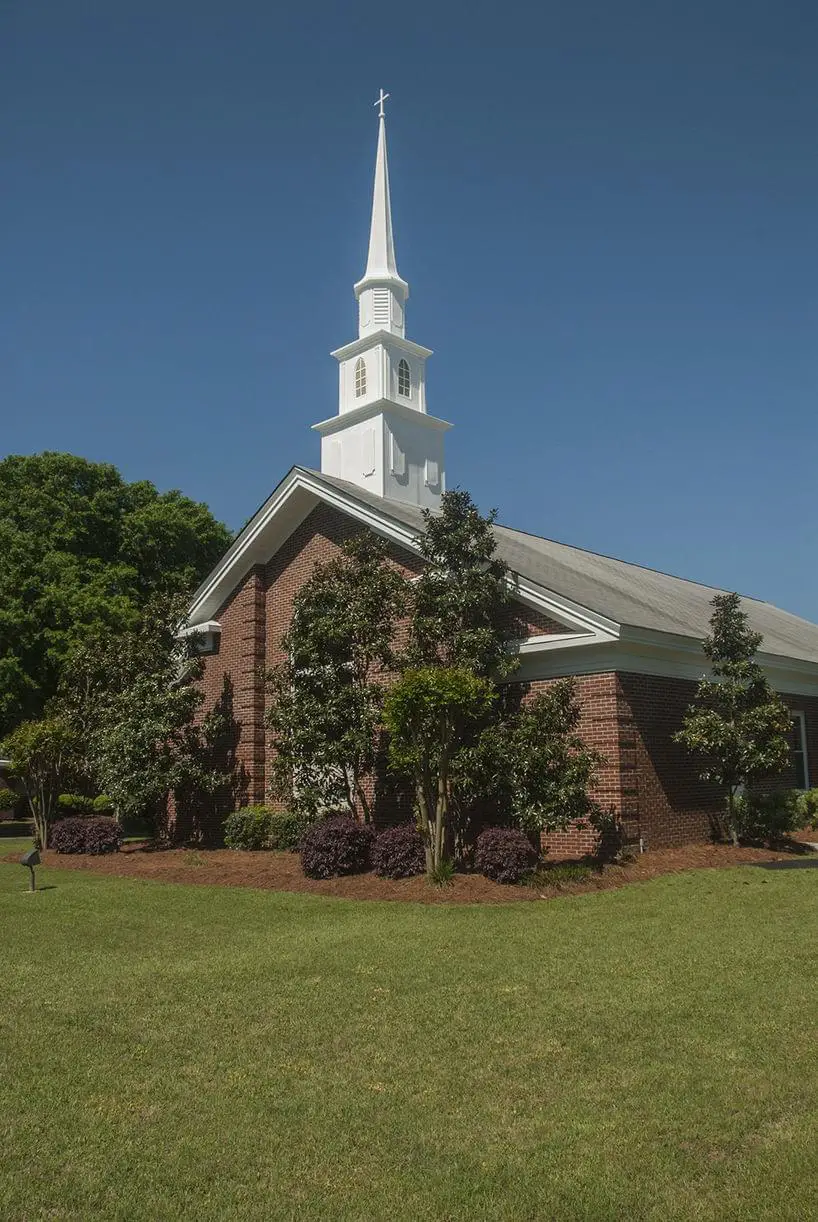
{"x":802,"y":864}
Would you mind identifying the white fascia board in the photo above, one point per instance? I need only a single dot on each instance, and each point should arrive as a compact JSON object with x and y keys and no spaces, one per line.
{"x":334,"y":424}
{"x":386,"y":337}
{"x":772,"y":663}
{"x":682,"y":660}
{"x":563,"y":610}
{"x":554,"y":641}
{"x":288,"y":506}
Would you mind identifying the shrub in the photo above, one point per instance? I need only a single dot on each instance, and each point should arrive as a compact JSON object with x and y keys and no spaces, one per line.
{"x":248,"y":828}
{"x":336,"y":845}
{"x":97,"y":834}
{"x":285,"y":831}
{"x":504,"y":854}
{"x":398,"y":852}
{"x":8,"y":799}
{"x":808,"y":809}
{"x":769,"y":817}
{"x":559,"y":873}
{"x":103,"y":805}
{"x":73,"y":804}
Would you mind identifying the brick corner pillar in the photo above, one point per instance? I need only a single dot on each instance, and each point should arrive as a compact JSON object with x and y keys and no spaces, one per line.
{"x":250,"y":703}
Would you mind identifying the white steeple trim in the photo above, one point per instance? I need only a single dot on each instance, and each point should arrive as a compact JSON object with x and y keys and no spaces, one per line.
{"x":383,"y":438}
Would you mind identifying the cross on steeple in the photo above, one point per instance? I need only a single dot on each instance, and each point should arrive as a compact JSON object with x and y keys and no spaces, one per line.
{"x":380,"y":103}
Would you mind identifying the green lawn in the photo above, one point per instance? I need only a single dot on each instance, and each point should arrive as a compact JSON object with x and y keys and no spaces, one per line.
{"x":200,"y":1053}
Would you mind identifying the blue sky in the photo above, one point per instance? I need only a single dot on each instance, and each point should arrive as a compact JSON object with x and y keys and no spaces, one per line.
{"x":606,"y":213}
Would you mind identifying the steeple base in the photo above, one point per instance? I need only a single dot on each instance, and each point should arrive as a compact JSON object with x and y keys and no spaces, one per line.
{"x":390,"y":450}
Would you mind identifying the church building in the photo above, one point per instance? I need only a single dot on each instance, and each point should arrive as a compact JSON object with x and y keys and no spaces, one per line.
{"x":630,"y":635}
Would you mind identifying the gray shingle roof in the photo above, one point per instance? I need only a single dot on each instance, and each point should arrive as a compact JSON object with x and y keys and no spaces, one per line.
{"x":626,"y":593}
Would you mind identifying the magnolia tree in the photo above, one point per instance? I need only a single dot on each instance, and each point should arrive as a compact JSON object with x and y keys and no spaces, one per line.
{"x":327,"y":696}
{"x":534,"y":765}
{"x":737,"y":723}
{"x":463,"y":606}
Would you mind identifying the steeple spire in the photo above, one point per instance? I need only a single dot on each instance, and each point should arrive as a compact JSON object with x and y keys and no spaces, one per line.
{"x":383,"y":439}
{"x":381,"y":260}
{"x":381,"y":293}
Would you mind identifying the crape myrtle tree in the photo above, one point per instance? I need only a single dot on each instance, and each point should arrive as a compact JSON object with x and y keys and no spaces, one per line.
{"x":327,"y":695}
{"x":81,"y":552}
{"x":429,"y":713}
{"x":736,"y":723}
{"x":134,"y":703}
{"x":46,"y":759}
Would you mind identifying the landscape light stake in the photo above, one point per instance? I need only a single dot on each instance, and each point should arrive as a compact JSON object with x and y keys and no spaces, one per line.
{"x":31,"y":859}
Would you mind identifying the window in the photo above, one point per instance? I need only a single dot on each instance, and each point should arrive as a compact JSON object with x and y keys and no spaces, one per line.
{"x":360,"y":378}
{"x":404,"y":380}
{"x":800,"y":762}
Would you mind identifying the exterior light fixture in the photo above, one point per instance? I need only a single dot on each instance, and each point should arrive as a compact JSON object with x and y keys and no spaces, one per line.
{"x":31,"y":859}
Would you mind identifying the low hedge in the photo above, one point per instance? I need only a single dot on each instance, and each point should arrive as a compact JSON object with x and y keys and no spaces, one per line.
{"x":81,"y":804}
{"x":398,"y":852}
{"x":255,"y":828}
{"x":770,"y":817}
{"x":92,"y":834}
{"x":504,"y":854}
{"x":336,"y":845}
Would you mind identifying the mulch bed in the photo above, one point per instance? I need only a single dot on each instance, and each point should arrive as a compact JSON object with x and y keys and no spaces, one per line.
{"x":282,"y":872}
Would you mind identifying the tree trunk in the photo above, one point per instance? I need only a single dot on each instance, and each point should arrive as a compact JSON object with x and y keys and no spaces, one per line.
{"x":424,"y":825}
{"x":731,"y":817}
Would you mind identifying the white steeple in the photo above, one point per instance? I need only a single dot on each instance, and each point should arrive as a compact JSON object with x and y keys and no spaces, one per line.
{"x":383,"y":438}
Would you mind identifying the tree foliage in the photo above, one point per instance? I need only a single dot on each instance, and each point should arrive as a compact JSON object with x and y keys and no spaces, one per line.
{"x":133,"y":701}
{"x":737,"y":723}
{"x":533,"y":764}
{"x":463,"y":613}
{"x":429,"y":713}
{"x":82,"y":551}
{"x":327,"y":696}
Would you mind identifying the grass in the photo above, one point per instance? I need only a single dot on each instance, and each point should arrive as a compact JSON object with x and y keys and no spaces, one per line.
{"x":179,"y":1052}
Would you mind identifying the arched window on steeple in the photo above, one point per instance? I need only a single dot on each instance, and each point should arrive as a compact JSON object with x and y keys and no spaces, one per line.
{"x":360,"y":378}
{"x":404,"y":380}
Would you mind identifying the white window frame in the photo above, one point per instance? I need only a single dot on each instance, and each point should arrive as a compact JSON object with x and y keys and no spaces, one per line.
{"x":360,"y":378}
{"x":800,"y":721}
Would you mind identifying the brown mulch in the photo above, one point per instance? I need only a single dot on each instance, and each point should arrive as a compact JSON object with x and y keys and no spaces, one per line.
{"x":282,"y":872}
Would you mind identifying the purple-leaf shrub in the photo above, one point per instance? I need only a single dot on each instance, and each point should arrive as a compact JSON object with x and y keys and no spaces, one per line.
{"x":504,"y":854}
{"x":94,"y":834}
{"x":336,"y":845}
{"x":398,"y":852}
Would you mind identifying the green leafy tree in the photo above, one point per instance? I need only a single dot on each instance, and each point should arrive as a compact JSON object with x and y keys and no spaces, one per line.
{"x":45,"y":760}
{"x":83,"y":551}
{"x":430,"y":713}
{"x":327,"y":696}
{"x":533,"y":764}
{"x":737,"y":723}
{"x":464,"y":610}
{"x":134,"y":702}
